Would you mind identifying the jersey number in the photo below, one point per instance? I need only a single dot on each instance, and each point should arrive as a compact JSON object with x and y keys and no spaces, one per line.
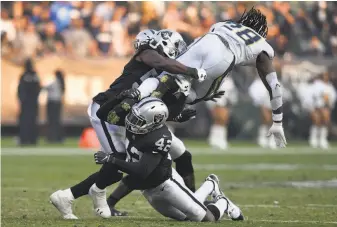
{"x":247,"y":35}
{"x":133,"y":155}
{"x":163,"y":145}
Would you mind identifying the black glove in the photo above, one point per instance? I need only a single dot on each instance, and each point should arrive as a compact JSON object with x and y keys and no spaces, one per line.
{"x":102,"y":157}
{"x":132,"y":93}
{"x":185,"y":115}
{"x":216,"y":95}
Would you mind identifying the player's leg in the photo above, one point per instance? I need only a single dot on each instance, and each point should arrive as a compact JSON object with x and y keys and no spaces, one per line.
{"x":173,"y":199}
{"x":111,"y":139}
{"x":183,"y":161}
{"x":323,"y":135}
{"x":314,"y":130}
{"x":267,"y":120}
{"x":218,"y":133}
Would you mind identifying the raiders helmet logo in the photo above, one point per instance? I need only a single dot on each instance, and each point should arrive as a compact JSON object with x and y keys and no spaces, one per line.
{"x":166,"y":34}
{"x":158,"y":118}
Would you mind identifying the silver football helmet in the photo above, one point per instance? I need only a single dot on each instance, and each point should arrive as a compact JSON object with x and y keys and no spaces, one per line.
{"x":143,"y":37}
{"x":171,"y":42}
{"x":147,"y":115}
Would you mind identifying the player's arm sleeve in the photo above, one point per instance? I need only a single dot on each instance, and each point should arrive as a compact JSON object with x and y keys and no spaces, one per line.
{"x":103,"y":111}
{"x":148,"y":162}
{"x":155,"y":60}
{"x":147,"y":87}
{"x":267,"y":73}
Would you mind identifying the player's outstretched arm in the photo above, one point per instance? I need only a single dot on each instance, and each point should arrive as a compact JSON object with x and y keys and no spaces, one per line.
{"x":157,"y":61}
{"x":267,"y":73}
{"x":143,"y":168}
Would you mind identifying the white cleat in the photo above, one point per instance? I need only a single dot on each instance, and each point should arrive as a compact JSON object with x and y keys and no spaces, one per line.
{"x":313,"y":143}
{"x":324,"y":144}
{"x":216,"y":190}
{"x":62,"y":200}
{"x":219,"y":144}
{"x":262,"y":142}
{"x":272,"y":143}
{"x":234,"y":211}
{"x":98,"y":197}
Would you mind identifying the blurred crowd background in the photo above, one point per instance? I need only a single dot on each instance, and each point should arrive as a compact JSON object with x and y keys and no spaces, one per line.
{"x":91,"y":29}
{"x":88,"y":43}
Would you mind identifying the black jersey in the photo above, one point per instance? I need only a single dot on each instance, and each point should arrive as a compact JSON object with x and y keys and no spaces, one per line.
{"x":133,"y":74}
{"x":158,"y":142}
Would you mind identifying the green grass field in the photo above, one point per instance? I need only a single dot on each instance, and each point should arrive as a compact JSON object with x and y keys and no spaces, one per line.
{"x":296,"y":186}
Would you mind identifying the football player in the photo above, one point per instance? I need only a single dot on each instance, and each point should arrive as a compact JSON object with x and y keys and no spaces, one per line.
{"x":226,"y":45}
{"x":319,"y":99}
{"x":142,"y":65}
{"x":149,"y":166}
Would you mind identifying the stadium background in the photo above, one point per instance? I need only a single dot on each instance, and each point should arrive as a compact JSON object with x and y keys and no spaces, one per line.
{"x":92,"y":41}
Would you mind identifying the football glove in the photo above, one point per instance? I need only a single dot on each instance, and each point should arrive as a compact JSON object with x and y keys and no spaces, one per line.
{"x":185,"y":115}
{"x":133,"y":93}
{"x":277,"y":131}
{"x":102,"y":157}
{"x":201,"y":75}
{"x":216,"y":95}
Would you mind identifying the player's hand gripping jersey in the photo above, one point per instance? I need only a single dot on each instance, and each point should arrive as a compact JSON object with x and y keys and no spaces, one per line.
{"x":243,"y":41}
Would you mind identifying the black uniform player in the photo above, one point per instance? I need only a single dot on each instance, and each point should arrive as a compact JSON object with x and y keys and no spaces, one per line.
{"x":149,"y":167}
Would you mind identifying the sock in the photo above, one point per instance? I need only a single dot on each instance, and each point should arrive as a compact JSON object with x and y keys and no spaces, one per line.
{"x":205,"y":190}
{"x":108,"y":175}
{"x":323,"y":133}
{"x":262,"y":135}
{"x":185,"y":169}
{"x":83,"y":187}
{"x":217,"y":132}
{"x":120,"y":192}
{"x":189,"y":181}
{"x":218,"y":209}
{"x":313,"y":134}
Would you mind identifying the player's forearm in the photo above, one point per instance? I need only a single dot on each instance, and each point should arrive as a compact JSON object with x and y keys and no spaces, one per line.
{"x":143,"y":168}
{"x":275,"y":92}
{"x":174,"y":67}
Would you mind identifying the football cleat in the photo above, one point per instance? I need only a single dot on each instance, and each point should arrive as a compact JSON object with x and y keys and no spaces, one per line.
{"x":62,"y":200}
{"x":117,"y":213}
{"x":216,"y":190}
{"x":98,"y":197}
{"x":232,"y":210}
{"x":218,"y":144}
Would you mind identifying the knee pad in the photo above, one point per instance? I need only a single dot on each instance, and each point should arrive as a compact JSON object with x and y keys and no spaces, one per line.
{"x":184,"y":164}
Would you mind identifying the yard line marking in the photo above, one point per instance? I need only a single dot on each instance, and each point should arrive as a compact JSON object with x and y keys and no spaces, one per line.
{"x":263,"y":166}
{"x":195,"y":151}
{"x":249,"y":220}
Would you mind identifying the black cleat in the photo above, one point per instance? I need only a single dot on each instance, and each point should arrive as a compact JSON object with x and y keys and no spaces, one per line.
{"x":117,"y":213}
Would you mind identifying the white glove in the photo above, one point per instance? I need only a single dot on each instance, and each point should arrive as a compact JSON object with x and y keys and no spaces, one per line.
{"x":277,"y":131}
{"x":201,"y":75}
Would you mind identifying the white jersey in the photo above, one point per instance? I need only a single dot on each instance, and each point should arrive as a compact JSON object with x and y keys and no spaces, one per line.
{"x":244,"y":42}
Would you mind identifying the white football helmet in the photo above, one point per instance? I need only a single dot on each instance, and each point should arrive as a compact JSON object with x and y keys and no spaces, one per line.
{"x":147,"y":115}
{"x":143,"y":37}
{"x":171,"y":42}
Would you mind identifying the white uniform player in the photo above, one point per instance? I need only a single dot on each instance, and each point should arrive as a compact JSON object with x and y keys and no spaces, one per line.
{"x":228,"y":44}
{"x":318,"y":98}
